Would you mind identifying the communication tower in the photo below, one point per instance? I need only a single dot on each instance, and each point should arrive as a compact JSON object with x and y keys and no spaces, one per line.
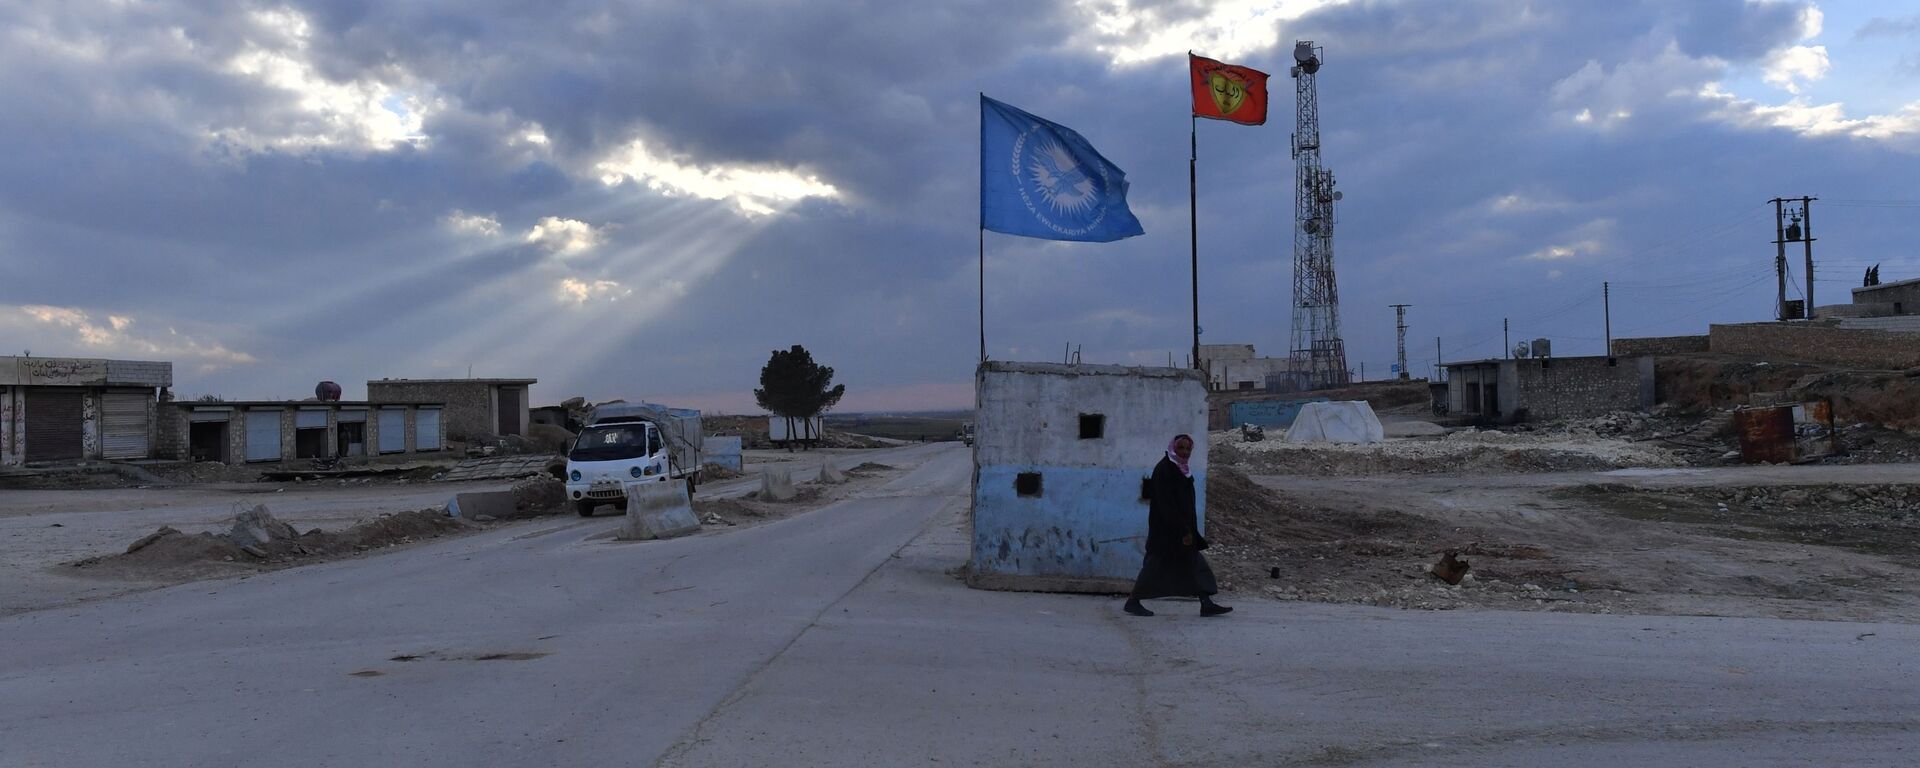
{"x":1319,"y":357}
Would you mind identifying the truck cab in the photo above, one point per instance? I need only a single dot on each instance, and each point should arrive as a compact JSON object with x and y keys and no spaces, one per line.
{"x":608,"y":455}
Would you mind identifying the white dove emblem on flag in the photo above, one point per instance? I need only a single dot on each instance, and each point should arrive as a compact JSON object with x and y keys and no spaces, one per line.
{"x":1062,"y":182}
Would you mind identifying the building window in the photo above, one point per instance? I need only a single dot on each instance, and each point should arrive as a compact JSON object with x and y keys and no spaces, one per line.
{"x":1027,"y":484}
{"x":1093,"y":426}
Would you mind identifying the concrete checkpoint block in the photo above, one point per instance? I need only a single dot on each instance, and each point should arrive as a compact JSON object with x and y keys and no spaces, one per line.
{"x":495,"y":504}
{"x":776,"y":484}
{"x":658,"y":510}
{"x":830,"y":474}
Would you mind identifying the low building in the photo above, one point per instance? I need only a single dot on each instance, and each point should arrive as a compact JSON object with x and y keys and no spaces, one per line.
{"x":475,"y":408}
{"x":1542,"y":388}
{"x":1235,"y":367}
{"x":1060,"y":456}
{"x":237,"y":432}
{"x":66,"y":409}
{"x":1896,"y":298}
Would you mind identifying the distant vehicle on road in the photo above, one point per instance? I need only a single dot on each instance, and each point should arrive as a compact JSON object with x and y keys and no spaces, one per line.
{"x":966,"y":433}
{"x":631,"y":442}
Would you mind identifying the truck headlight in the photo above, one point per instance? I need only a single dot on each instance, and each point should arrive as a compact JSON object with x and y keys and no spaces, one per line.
{"x":575,"y":475}
{"x":649,"y":469}
{"x":635,"y":471}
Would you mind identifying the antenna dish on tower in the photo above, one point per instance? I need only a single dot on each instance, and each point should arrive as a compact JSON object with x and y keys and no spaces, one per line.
{"x":1339,"y":195}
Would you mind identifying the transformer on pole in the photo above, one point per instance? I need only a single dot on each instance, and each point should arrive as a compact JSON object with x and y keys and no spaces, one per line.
{"x":1318,"y":357}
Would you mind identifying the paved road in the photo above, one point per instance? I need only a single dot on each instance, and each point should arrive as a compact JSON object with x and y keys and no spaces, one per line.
{"x":840,"y":638}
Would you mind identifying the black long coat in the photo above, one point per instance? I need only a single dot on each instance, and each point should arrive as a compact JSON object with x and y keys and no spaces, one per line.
{"x":1172,"y":566}
{"x":1171,"y":514}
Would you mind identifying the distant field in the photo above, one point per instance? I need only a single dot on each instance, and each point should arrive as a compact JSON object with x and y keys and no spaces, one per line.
{"x":933,"y":428}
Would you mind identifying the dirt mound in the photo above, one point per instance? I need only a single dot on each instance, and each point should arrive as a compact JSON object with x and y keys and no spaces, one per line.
{"x":1357,"y":555}
{"x":539,"y":495}
{"x":728,"y":509}
{"x":1877,"y":519}
{"x":870,"y":468}
{"x":262,"y":542}
{"x":713,"y":472}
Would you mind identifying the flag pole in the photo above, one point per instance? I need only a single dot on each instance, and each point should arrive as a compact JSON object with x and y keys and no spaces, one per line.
{"x":983,"y":234}
{"x":1193,"y":226}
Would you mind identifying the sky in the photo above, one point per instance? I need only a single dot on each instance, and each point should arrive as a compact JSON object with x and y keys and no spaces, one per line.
{"x":644,"y":199}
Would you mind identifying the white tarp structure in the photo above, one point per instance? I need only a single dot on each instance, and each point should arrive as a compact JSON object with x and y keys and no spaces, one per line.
{"x":1342,"y":422}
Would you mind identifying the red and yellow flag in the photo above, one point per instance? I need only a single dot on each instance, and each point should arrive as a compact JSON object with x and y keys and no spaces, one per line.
{"x":1228,"y":92}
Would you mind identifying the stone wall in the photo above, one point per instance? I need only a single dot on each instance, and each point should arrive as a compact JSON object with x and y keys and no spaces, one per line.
{"x":471,"y":406}
{"x":1660,"y":345}
{"x":1818,"y":343}
{"x":1581,"y":387}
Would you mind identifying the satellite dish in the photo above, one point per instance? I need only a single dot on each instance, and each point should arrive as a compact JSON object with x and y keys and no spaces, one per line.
{"x":1338,"y":195}
{"x":1303,"y":51}
{"x":1520,"y":350}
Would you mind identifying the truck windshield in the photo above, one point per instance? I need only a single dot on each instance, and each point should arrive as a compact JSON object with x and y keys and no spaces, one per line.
{"x":611,"y":442}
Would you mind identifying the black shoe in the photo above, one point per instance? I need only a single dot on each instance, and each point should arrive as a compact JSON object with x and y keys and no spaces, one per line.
{"x":1134,"y":607}
{"x":1211,"y":608}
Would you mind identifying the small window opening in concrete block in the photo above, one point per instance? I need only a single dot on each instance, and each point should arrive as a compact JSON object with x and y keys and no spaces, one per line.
{"x":1093,"y":426}
{"x":1027,"y":484}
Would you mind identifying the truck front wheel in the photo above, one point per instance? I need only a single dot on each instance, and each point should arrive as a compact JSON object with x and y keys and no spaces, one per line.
{"x":585,"y":508}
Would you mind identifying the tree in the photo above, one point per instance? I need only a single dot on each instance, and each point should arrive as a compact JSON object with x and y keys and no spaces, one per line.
{"x":793,"y":386}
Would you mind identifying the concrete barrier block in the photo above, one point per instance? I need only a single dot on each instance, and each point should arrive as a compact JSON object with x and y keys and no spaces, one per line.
{"x":495,"y":504}
{"x":776,"y":484}
{"x":658,"y":510}
{"x":830,"y":474}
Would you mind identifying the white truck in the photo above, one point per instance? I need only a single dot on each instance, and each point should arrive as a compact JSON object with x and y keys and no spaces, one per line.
{"x":782,"y":430}
{"x":631,"y":442}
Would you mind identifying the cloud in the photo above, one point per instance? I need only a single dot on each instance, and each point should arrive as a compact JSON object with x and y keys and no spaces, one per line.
{"x":1136,"y":31}
{"x":1888,"y":26}
{"x":368,"y":113}
{"x":472,"y":223}
{"x":1796,"y":64}
{"x":53,"y":331}
{"x":1899,"y":130}
{"x":754,"y":191}
{"x":583,"y":291}
{"x":564,"y":237}
{"x":1588,"y":239}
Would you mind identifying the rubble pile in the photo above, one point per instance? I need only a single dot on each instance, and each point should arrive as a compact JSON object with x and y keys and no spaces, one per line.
{"x":1491,"y":451}
{"x":539,"y":495}
{"x":257,"y":539}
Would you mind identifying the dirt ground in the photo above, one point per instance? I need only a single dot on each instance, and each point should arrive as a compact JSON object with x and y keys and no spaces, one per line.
{"x":1593,"y":530}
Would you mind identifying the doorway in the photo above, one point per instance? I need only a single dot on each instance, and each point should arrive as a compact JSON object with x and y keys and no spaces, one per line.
{"x":207,"y":441}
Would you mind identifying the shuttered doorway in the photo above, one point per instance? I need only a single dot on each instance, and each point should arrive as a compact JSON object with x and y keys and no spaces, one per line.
{"x":426,"y":429}
{"x":393,"y":430}
{"x":53,"y":424}
{"x":263,"y":435}
{"x":125,"y":417}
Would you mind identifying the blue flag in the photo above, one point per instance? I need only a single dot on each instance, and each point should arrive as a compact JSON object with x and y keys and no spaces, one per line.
{"x":1041,"y":179}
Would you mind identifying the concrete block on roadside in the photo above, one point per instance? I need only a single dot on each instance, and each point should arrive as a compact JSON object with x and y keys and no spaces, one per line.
{"x":776,"y":484}
{"x":258,"y":526}
{"x":658,"y":510}
{"x":830,"y":474}
{"x":467,"y":506}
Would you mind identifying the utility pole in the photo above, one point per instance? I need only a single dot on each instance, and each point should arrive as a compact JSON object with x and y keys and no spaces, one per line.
{"x":1400,"y":338}
{"x":1806,"y":224}
{"x":1790,"y":226}
{"x":1504,"y":341}
{"x":1606,"y":308}
{"x":1439,"y":362}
